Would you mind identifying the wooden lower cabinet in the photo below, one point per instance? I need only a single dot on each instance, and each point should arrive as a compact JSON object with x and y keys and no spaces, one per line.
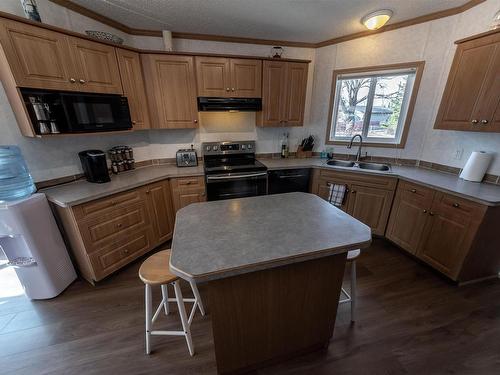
{"x":187,"y":190}
{"x":108,"y":233}
{"x":368,"y":199}
{"x":453,"y":235}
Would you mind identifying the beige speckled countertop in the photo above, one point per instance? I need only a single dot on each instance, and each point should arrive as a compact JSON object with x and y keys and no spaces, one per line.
{"x":82,"y":191}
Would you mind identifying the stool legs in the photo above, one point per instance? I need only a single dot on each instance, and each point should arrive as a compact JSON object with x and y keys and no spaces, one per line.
{"x":353,"y":291}
{"x":197,"y":297}
{"x":184,"y":319}
{"x":149,"y":316}
{"x":164,"y":294}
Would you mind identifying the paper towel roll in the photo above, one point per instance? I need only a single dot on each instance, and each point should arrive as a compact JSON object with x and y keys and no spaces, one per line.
{"x":167,"y":40}
{"x":476,"y":166}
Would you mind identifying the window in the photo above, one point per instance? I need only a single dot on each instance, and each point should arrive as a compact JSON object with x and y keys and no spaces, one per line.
{"x":376,"y":103}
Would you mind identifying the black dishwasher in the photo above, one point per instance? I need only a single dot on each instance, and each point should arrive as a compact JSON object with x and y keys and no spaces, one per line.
{"x":288,"y":180}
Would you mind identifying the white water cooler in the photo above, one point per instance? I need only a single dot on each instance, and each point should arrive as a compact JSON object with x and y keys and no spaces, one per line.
{"x":30,"y":239}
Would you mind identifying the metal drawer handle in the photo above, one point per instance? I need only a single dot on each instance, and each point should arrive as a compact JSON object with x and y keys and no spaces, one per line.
{"x":425,"y":211}
{"x":72,"y":80}
{"x":236,"y":176}
{"x":474,"y":121}
{"x":484,"y":122}
{"x":82,"y":81}
{"x":292,"y":176}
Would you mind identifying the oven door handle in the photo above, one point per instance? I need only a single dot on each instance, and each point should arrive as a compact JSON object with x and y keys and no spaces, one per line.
{"x":236,"y":176}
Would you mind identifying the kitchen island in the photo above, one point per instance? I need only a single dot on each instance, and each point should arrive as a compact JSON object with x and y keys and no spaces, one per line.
{"x":273,"y":266}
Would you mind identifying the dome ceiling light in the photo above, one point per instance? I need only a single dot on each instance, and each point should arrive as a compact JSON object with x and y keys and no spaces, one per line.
{"x":376,"y":20}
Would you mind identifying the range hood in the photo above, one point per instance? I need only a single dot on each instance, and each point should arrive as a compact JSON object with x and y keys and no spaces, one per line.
{"x":229,"y":104}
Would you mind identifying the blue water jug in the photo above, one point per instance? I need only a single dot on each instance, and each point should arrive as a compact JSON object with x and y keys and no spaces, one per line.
{"x":15,"y":179}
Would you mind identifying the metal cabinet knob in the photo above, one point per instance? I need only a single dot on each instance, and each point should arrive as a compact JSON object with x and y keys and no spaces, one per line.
{"x":353,"y":192}
{"x":118,"y":225}
{"x":484,"y":122}
{"x":474,"y":121}
{"x":195,"y":121}
{"x":147,"y":191}
{"x":82,"y":81}
{"x":456,"y":205}
{"x":413,"y":190}
{"x":232,"y":89}
{"x":425,"y":211}
{"x":227,"y":88}
{"x":72,"y":80}
{"x":431,"y":213}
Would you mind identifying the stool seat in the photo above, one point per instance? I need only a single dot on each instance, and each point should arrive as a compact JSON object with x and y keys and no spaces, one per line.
{"x":155,"y":270}
{"x":353,"y":254}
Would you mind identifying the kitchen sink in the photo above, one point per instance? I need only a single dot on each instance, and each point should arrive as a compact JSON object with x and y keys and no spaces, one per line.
{"x":360,"y":165}
{"x":374,"y":166}
{"x":341,"y":163}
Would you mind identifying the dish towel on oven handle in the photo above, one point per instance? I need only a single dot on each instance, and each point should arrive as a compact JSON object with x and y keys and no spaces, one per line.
{"x":337,"y":194}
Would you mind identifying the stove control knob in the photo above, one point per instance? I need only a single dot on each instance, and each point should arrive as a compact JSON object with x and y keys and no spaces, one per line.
{"x":208,"y":148}
{"x":215,"y":148}
{"x":249,"y":146}
{"x":243,"y":147}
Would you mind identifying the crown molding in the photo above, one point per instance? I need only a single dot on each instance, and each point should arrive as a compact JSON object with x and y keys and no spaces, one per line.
{"x":230,"y":39}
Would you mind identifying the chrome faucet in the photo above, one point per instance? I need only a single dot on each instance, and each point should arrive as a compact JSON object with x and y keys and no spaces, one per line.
{"x":358,"y":155}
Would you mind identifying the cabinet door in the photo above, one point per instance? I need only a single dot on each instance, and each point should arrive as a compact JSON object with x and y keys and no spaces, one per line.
{"x":449,"y":233}
{"x":171,"y":90}
{"x":160,"y":207}
{"x":38,"y":57}
{"x":409,"y":215}
{"x":187,"y":190}
{"x":133,"y":87}
{"x":371,"y":206}
{"x":97,"y":65}
{"x":472,"y":91}
{"x":213,"y":75}
{"x":246,"y":78}
{"x":274,"y":97}
{"x":296,"y":82}
{"x":490,"y":110}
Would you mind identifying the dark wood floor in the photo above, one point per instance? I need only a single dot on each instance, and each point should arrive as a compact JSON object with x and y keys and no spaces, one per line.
{"x":411,"y":321}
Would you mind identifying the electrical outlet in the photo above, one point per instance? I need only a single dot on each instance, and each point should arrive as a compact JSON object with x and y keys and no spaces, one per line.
{"x":458,"y":154}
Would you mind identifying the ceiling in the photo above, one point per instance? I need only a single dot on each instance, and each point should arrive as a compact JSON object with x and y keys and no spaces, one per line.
{"x":309,"y":21}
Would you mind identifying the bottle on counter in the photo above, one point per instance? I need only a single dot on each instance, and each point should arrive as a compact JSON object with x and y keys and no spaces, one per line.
{"x":284,"y":146}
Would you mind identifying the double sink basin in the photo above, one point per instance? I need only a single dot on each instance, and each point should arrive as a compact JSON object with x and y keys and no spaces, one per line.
{"x":360,"y":165}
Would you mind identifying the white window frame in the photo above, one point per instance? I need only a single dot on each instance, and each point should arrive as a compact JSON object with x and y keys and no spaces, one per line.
{"x":414,"y":70}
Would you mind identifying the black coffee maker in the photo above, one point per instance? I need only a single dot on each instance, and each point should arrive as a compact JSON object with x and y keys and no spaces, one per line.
{"x":94,"y":166}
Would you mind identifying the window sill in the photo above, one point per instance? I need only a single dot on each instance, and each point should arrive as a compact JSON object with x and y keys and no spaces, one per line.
{"x":368,"y":144}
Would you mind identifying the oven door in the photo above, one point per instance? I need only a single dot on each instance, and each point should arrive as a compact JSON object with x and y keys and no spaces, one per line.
{"x":96,"y":112}
{"x":236,"y":185}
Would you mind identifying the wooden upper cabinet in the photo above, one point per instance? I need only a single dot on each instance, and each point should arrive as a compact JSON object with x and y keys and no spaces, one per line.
{"x":171,"y":90}
{"x":471,"y":98}
{"x":226,"y":77}
{"x":273,"y":93}
{"x":213,"y":75}
{"x":295,"y":93}
{"x":133,"y":87}
{"x":97,"y":65}
{"x":283,"y":93}
{"x":246,"y":78}
{"x":37,"y":57}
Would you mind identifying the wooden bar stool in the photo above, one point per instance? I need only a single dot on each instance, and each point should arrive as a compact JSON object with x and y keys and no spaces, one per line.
{"x":351,"y":298}
{"x":155,"y":271}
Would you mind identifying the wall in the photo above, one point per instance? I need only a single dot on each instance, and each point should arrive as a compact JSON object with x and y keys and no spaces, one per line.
{"x":57,"y":157}
{"x":432,"y":42}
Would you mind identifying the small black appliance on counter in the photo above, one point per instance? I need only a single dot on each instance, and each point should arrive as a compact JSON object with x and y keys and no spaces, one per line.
{"x":94,"y":166}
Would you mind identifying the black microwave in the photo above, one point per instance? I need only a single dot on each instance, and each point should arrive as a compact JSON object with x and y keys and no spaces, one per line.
{"x":75,"y":112}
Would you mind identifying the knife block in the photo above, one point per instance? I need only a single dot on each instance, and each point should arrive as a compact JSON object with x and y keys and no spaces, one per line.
{"x":301,"y":154}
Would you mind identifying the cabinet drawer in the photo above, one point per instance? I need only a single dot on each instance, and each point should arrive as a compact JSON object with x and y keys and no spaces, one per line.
{"x":417,"y":190}
{"x":105,"y":205}
{"x":455,"y":206}
{"x":188,"y":182}
{"x":119,"y":253}
{"x":360,"y":179}
{"x":106,"y":228}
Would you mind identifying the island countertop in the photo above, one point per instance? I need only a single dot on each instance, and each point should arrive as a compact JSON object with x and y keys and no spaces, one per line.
{"x":218,"y":239}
